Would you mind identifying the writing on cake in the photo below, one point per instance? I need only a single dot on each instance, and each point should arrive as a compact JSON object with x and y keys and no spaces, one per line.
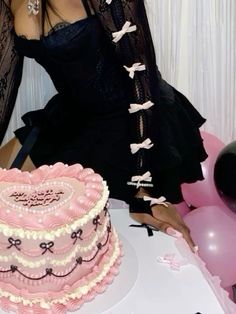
{"x":37,"y":198}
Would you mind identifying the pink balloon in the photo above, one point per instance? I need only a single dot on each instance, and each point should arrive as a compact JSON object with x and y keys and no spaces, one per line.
{"x":203,"y":193}
{"x":182,"y":208}
{"x":213,"y":230}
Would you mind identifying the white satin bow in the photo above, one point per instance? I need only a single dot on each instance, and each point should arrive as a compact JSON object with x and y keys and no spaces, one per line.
{"x":156,"y":201}
{"x":125,"y":29}
{"x":147,"y":144}
{"x":135,"y":67}
{"x":137,"y":107}
{"x":145,"y":177}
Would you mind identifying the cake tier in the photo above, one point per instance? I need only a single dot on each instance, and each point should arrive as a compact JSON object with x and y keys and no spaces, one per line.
{"x":46,"y":198}
{"x":72,"y":296}
{"x":56,"y":263}
{"x":57,"y":245}
{"x":62,"y":251}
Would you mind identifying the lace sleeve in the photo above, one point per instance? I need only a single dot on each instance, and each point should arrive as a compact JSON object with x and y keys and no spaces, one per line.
{"x":126,"y":24}
{"x":10,"y":67}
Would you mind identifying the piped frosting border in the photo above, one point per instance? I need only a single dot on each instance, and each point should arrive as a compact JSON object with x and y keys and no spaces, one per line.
{"x":73,"y":299}
{"x":56,"y":262}
{"x":78,"y":207}
{"x":66,"y":229}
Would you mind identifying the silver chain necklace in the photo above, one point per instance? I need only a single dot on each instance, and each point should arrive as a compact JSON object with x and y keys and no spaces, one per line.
{"x":33,"y":7}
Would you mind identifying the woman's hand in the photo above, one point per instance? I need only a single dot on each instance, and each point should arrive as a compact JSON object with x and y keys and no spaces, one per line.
{"x":166,"y":219}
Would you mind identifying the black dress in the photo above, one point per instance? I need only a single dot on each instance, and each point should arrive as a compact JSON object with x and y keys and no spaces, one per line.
{"x":88,"y":121}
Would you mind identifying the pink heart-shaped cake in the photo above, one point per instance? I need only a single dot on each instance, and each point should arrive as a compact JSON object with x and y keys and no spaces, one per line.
{"x":58,"y":248}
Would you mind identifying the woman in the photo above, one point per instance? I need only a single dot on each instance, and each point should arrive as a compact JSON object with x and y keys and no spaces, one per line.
{"x":113,"y":112}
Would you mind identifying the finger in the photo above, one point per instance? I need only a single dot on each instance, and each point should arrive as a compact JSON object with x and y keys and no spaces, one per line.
{"x":170,"y":215}
{"x":179,"y":224}
{"x":186,"y":234}
{"x":174,"y":221}
{"x":164,"y":227}
{"x":149,"y":220}
{"x":174,"y":233}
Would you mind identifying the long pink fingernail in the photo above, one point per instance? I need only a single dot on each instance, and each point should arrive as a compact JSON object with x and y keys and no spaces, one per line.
{"x":174,"y":233}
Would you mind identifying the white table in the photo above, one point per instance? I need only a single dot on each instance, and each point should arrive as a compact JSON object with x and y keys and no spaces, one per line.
{"x":145,"y":286}
{"x":157,"y":290}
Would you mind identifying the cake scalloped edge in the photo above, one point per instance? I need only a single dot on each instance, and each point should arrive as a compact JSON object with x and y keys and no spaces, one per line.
{"x":26,"y":263}
{"x":94,"y":186}
{"x":71,"y":301}
{"x":66,"y":229}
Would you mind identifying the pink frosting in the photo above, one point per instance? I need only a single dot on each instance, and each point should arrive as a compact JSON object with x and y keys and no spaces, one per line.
{"x":67,"y":284}
{"x":72,"y":305}
{"x":76,"y":207}
{"x":75,"y":191}
{"x":63,"y":245}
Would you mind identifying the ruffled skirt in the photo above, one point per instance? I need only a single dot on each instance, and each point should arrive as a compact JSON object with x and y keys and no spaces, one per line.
{"x":102,"y":143}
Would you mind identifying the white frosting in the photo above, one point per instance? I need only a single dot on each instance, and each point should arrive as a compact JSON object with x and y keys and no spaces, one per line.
{"x":57,"y":262}
{"x":69,"y":187}
{"x":77,"y":293}
{"x":50,"y":235}
{"x":30,"y":193}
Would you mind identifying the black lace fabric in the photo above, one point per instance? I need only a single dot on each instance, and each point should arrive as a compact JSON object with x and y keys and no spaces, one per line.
{"x":138,"y":48}
{"x":172,"y":123}
{"x":10,"y":68}
{"x":135,"y":48}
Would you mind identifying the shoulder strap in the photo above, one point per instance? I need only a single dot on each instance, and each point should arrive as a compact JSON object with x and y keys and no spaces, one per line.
{"x":87,"y":7}
{"x":26,"y":148}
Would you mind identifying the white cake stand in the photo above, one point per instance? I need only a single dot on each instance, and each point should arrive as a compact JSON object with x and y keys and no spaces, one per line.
{"x":121,"y":285}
